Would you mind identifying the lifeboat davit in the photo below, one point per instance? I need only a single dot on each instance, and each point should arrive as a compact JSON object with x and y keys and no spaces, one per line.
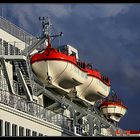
{"x":113,"y":108}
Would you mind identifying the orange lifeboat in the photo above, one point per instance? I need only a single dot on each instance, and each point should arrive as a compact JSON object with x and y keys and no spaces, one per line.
{"x":61,"y":68}
{"x":113,"y":108}
{"x":58,"y":67}
{"x":96,"y":86}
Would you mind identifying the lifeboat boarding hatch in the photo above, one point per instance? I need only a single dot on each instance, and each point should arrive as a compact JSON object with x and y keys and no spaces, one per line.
{"x":80,"y":120}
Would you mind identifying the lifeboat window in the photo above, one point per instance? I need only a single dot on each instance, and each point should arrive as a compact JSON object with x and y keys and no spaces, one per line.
{"x":89,"y":66}
{"x":104,"y":78}
{"x":84,"y":65}
{"x":73,"y":54}
{"x":81,"y":65}
{"x":118,"y":115}
{"x":40,"y":51}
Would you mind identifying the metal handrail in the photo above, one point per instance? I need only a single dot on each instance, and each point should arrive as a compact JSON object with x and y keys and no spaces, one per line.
{"x":19,"y":103}
{"x":15,"y":30}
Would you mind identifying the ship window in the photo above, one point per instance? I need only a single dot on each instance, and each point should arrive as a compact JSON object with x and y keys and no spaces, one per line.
{"x":34,"y":133}
{"x":14,"y":130}
{"x":40,"y":134}
{"x":21,"y":131}
{"x":17,"y":51}
{"x":28,"y":132}
{"x":1,"y":48}
{"x":11,"y":49}
{"x":5,"y":44}
{"x":7,"y":129}
{"x":1,"y":125}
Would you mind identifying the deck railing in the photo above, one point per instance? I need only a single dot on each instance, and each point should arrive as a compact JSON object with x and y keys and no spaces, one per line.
{"x":20,"y":103}
{"x":15,"y":30}
{"x":18,"y":33}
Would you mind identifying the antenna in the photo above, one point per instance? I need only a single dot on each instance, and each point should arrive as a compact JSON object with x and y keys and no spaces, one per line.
{"x":46,"y":23}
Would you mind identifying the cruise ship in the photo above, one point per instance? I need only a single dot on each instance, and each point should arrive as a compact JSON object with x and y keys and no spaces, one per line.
{"x":49,"y":91}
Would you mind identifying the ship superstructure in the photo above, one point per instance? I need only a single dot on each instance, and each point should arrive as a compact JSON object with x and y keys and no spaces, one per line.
{"x":29,"y":106}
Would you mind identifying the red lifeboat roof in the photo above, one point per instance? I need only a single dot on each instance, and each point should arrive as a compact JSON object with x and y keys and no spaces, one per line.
{"x":112,"y":103}
{"x":112,"y":100}
{"x":134,"y":131}
{"x":97,"y":74}
{"x":127,"y":132}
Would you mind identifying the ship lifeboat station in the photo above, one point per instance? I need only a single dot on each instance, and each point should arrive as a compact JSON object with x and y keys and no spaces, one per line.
{"x":47,"y":90}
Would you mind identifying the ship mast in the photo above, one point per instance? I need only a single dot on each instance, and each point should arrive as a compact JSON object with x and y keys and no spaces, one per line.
{"x":46,"y":23}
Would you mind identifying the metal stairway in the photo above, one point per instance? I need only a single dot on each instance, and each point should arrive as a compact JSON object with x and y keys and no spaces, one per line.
{"x":23,"y":68}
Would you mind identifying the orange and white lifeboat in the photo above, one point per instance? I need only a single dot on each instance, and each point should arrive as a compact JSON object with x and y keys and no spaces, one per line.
{"x":95,"y":87}
{"x":58,"y":67}
{"x":62,"y":69}
{"x":113,"y":108}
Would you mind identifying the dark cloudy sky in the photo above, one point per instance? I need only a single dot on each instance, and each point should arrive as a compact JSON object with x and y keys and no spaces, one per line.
{"x":106,"y":35}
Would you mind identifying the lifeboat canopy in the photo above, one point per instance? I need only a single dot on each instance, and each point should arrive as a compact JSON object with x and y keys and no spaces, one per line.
{"x":113,"y":108}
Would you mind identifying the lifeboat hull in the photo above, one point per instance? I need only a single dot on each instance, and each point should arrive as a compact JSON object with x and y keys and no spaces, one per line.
{"x":113,"y":111}
{"x":92,"y":90}
{"x":62,"y":74}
